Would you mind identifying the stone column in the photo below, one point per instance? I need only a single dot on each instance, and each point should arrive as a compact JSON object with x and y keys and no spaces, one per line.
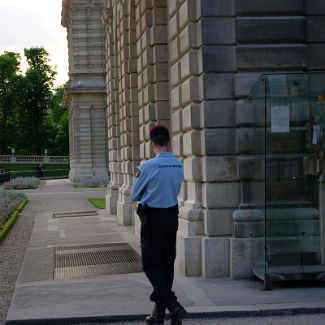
{"x":128,"y":106}
{"x":122,"y":104}
{"x":113,"y":134}
{"x":186,"y":97}
{"x":220,"y":176}
{"x":86,"y":91}
{"x":152,"y":69}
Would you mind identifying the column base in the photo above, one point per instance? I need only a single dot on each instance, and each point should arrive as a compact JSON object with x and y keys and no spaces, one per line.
{"x":88,"y":175}
{"x":215,"y":257}
{"x":244,"y":253}
{"x":124,"y":213}
{"x":188,"y":258}
{"x":111,"y":200}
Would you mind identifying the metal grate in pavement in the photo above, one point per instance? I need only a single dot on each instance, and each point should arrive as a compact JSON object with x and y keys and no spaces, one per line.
{"x":94,"y":260}
{"x":75,"y":214}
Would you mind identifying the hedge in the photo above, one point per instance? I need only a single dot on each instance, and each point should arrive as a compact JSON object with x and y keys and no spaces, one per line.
{"x":4,"y":229}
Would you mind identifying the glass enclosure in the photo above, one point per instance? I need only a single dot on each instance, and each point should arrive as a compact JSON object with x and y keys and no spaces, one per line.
{"x":287,"y":146}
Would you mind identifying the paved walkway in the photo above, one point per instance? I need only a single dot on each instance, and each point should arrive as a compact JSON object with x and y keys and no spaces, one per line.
{"x":40,"y":299}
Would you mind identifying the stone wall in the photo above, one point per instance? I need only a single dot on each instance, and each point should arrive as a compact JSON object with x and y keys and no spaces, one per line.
{"x":190,"y":65}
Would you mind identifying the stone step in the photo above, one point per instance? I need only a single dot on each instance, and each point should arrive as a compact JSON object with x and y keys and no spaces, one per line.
{"x":302,"y":258}
{"x":292,"y":228}
{"x":283,"y":222}
{"x":306,"y":213}
{"x":292,"y":245}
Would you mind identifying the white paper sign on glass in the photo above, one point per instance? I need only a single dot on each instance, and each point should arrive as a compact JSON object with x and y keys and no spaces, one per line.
{"x":280,"y":119}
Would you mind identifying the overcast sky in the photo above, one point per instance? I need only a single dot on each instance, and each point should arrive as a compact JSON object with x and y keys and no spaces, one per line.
{"x":35,"y":23}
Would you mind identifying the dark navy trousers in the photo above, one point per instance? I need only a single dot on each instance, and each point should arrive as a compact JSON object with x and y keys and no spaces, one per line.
{"x":158,"y":248}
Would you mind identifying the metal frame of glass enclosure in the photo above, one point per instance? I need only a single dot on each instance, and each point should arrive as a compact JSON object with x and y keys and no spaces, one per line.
{"x":288,"y":146}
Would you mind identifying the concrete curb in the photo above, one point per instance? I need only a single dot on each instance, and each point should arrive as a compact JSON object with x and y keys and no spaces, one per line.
{"x":193,"y":313}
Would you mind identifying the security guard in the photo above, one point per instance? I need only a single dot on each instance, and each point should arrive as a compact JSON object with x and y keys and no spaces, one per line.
{"x":156,"y":185}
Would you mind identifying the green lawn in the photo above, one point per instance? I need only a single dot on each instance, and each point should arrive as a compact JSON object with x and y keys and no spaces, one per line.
{"x":98,"y":202}
{"x":88,"y":186}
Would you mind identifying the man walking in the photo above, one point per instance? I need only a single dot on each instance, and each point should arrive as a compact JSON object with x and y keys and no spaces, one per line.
{"x":156,"y":185}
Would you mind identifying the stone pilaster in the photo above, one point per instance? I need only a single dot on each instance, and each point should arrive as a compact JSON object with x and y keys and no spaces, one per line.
{"x":114,"y":155}
{"x":152,"y":67}
{"x":186,"y":97}
{"x":220,"y":188}
{"x":128,"y":107}
{"x":122,"y":105}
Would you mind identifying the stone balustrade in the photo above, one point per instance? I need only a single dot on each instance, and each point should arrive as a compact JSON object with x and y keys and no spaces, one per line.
{"x":34,"y":159}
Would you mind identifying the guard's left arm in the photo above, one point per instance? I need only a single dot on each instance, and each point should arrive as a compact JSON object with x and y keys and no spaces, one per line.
{"x":139,"y":184}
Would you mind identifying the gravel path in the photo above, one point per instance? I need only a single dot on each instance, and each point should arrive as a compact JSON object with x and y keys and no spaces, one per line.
{"x":12,"y":251}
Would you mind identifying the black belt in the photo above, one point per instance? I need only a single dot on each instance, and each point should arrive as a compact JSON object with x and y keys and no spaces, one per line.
{"x":163,"y":209}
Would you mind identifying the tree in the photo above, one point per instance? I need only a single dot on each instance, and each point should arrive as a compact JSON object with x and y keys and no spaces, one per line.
{"x":58,"y":117}
{"x":35,"y":102}
{"x":32,"y":114}
{"x":10,"y":80}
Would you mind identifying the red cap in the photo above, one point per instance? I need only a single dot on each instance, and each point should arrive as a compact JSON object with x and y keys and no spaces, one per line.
{"x":158,"y":130}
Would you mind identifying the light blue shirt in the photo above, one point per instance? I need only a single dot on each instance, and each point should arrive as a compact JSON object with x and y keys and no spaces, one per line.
{"x":159,"y":181}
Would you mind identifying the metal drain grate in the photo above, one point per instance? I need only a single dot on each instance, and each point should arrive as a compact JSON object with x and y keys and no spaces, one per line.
{"x":75,"y":214}
{"x":94,"y":260}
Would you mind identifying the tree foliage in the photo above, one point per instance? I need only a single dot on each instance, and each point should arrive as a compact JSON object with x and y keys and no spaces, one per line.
{"x":58,"y":117}
{"x":9,"y":97}
{"x":32,"y":117}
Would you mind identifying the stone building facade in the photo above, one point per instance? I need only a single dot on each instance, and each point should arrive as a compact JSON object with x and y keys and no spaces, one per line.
{"x":190,"y":65}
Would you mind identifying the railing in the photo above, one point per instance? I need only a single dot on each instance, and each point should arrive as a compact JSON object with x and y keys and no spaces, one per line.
{"x":59,"y":159}
{"x":5,"y":158}
{"x":29,"y":159}
{"x":34,"y":159}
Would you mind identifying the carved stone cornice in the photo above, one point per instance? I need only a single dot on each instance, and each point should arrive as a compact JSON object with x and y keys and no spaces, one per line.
{"x":107,"y":15}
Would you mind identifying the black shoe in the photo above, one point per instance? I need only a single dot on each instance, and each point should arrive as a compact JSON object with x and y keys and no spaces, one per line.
{"x":177,"y":313}
{"x":157,"y":316}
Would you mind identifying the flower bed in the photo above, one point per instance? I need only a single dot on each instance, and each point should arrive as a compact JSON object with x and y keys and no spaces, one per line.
{"x":21,"y":183}
{"x":9,"y":201}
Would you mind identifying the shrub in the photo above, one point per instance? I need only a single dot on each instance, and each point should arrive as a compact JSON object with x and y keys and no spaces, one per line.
{"x":21,"y":183}
{"x":9,"y":200}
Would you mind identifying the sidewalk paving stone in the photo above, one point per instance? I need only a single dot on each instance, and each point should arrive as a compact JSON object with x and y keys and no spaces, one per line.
{"x":39,"y":299}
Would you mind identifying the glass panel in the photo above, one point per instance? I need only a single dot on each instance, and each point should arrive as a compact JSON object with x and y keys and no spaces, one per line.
{"x":253,"y":188}
{"x":292,"y":154}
